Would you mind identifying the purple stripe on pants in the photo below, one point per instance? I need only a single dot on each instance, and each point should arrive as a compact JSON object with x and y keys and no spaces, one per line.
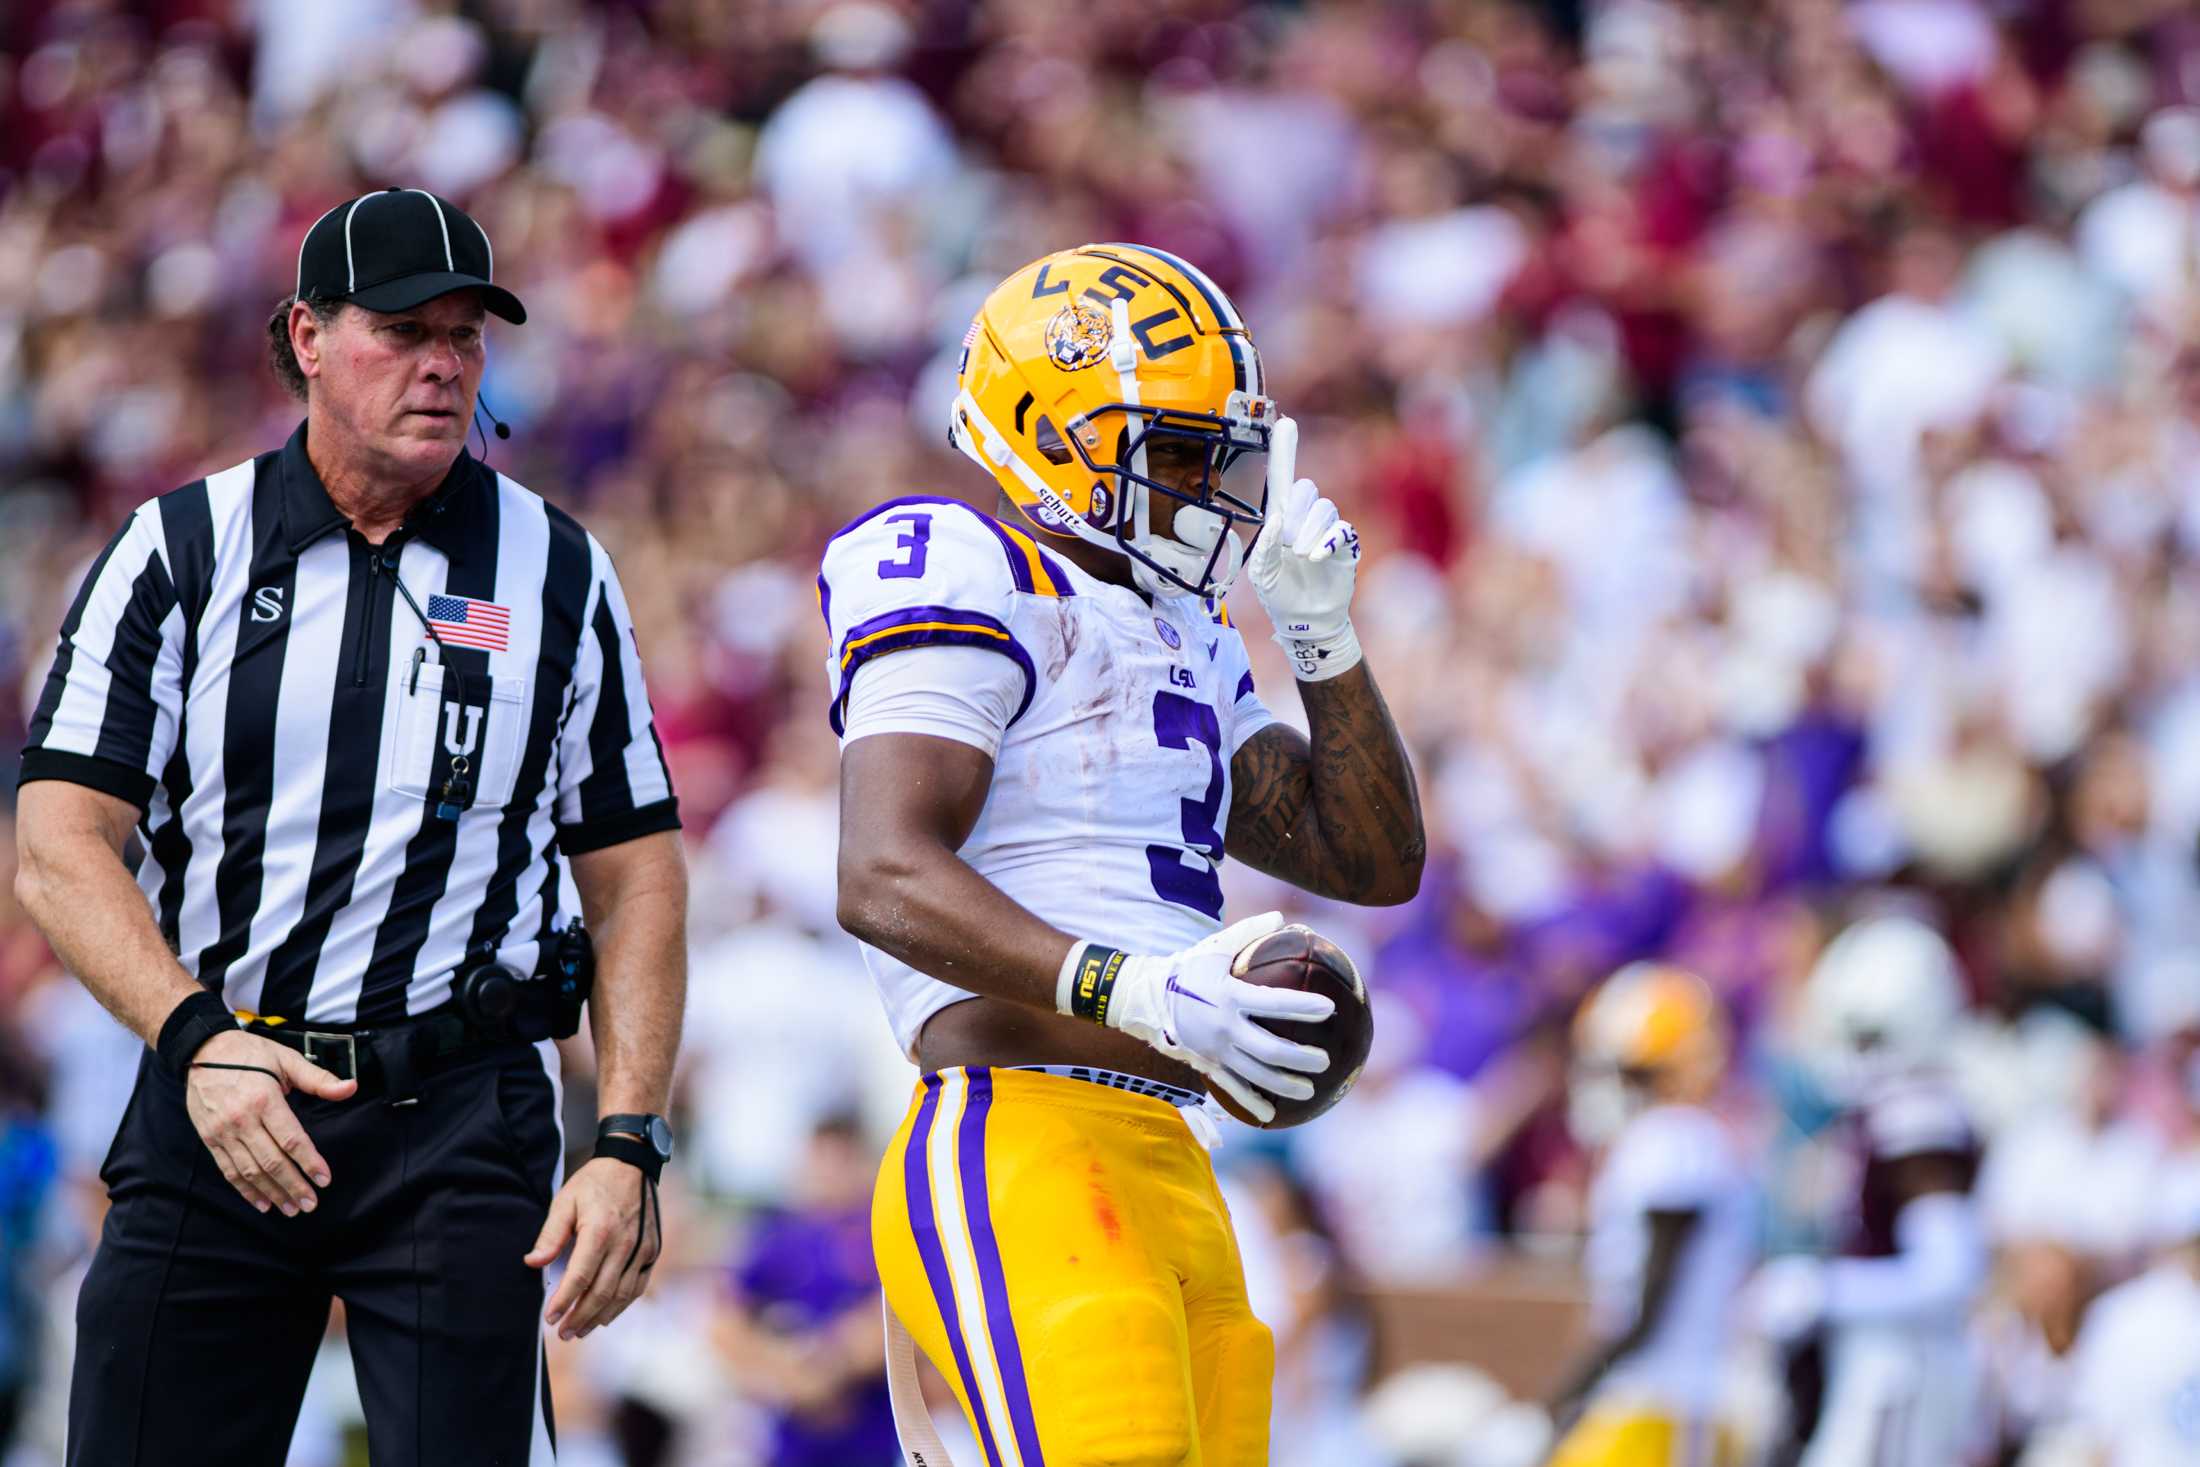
{"x":917,"y":1184}
{"x":970,"y":1154}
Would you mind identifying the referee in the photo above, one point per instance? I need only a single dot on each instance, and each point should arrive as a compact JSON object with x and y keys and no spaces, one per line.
{"x":364,"y":702}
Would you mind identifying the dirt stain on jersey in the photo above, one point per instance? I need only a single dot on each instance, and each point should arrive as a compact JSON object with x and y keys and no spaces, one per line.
{"x":1061,"y":642}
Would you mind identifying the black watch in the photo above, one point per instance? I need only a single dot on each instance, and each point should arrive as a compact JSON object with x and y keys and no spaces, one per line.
{"x":616,"y":1137}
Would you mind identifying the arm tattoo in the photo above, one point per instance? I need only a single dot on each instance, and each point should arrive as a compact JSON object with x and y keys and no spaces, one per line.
{"x":1340,"y":817}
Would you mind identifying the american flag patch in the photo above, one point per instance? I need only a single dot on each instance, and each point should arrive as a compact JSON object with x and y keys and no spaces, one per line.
{"x":462,"y":621}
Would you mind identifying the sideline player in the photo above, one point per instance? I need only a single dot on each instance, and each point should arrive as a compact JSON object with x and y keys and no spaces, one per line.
{"x":1037,"y":787}
{"x":1901,"y":1384}
{"x":1673,"y":1229}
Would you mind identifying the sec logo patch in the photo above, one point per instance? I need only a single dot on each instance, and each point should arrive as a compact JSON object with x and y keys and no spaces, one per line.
{"x":1168,"y":634}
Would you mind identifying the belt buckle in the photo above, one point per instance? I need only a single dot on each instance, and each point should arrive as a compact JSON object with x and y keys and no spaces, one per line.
{"x":314,"y":1044}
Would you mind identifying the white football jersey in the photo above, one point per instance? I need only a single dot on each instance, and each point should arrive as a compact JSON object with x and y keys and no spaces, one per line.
{"x":1905,"y":1386}
{"x":1111,"y":786}
{"x":2137,"y":1387}
{"x":1672,"y":1158}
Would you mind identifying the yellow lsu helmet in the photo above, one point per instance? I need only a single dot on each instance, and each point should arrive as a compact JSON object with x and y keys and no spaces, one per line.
{"x":1079,"y":364}
{"x":1649,"y":1017}
{"x":1646,"y":1022}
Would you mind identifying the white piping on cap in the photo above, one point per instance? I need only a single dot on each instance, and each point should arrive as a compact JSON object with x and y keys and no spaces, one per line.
{"x":351,"y":272}
{"x":486,"y":248}
{"x":441,"y":223}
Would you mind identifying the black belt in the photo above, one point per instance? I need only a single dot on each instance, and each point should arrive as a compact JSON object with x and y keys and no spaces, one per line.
{"x":386,"y":1057}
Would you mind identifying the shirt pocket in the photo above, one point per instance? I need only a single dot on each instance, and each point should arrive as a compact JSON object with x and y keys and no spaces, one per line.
{"x":460,"y":737}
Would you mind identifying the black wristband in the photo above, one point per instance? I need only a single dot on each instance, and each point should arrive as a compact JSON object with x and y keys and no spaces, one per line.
{"x":188,"y":1026}
{"x":1093,"y":983}
{"x":633,"y":1151}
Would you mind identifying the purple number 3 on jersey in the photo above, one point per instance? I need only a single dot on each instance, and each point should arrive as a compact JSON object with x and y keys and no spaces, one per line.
{"x":1179,"y":723}
{"x":909,"y":565}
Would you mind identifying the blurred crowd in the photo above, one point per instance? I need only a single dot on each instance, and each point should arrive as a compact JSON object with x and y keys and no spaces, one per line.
{"x":1774,"y":428}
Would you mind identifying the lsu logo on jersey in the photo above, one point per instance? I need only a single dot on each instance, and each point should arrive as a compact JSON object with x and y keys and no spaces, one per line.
{"x":1077,"y":337}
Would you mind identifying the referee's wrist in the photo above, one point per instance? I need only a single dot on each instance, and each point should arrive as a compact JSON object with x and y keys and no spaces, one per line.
{"x":641,"y":1140}
{"x":189,"y":1025}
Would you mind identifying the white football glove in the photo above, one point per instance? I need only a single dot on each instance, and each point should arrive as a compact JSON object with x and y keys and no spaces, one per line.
{"x":1302,"y":566}
{"x":1187,"y":1006}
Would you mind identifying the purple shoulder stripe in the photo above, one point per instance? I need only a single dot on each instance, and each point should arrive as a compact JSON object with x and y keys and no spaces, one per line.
{"x":1054,"y":571}
{"x":927,"y":626}
{"x":1019,"y":569}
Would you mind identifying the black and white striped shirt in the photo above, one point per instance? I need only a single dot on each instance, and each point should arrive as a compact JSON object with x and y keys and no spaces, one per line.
{"x":338,"y":807}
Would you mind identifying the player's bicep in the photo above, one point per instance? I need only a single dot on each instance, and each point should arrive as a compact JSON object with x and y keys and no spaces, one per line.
{"x":1271,"y":789}
{"x":906,"y":795}
{"x":1670,"y":1230}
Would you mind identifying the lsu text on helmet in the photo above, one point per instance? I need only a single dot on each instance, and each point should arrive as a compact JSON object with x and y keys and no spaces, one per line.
{"x":1652,"y":1031}
{"x":1082,"y":363}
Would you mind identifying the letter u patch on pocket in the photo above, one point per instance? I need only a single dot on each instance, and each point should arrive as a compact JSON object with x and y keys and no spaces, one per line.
{"x":459,"y":739}
{"x":454,"y":776}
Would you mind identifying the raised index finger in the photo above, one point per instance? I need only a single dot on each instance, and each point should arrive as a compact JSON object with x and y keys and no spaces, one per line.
{"x":1283,"y":461}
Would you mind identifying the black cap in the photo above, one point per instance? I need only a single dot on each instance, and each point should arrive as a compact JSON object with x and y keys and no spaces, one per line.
{"x":402,"y":247}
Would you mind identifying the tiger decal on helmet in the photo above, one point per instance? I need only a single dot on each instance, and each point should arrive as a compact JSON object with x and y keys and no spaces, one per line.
{"x":1077,"y":337}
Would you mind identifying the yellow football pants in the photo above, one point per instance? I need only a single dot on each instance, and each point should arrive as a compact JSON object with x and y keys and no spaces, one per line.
{"x":1619,"y":1437}
{"x":1059,"y":1251}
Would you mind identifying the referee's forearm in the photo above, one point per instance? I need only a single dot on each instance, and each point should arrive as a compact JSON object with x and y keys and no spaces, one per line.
{"x":634,"y":896}
{"x":71,"y":881}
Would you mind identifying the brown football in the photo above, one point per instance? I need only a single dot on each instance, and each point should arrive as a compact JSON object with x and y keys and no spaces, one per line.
{"x":1299,"y":957}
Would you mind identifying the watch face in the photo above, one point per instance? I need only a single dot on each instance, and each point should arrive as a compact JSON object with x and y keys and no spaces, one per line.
{"x":660,"y":1136}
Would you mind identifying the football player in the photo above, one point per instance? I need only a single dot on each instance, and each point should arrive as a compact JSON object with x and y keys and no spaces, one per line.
{"x":1889,"y":1321}
{"x":1050,"y":739}
{"x":2135,"y":1392}
{"x":1673,"y":1225}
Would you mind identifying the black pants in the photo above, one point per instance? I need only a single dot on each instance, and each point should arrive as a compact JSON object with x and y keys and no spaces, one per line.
{"x":200,"y":1317}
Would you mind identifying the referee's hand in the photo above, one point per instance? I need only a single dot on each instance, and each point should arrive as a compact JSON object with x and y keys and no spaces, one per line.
{"x":245,"y":1119}
{"x":615,"y":1242}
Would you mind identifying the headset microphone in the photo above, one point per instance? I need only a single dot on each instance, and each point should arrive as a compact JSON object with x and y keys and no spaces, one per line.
{"x":483,"y":403}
